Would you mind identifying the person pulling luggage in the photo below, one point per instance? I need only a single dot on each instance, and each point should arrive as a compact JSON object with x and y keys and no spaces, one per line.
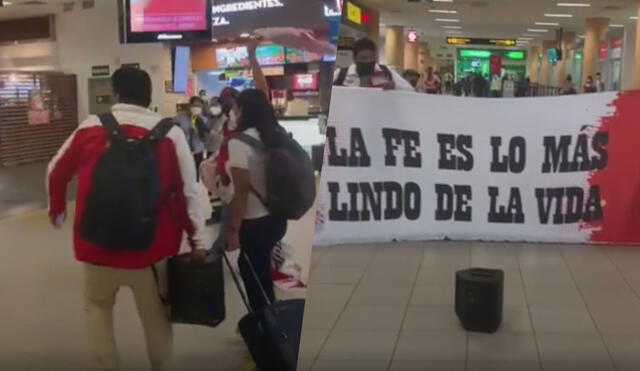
{"x":137,"y":196}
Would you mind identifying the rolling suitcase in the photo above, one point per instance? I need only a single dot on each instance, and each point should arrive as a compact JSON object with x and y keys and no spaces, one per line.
{"x":196,"y":290}
{"x":479,"y":299}
{"x":273,"y":333}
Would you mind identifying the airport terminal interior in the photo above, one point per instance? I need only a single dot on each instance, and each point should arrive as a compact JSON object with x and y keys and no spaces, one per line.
{"x":390,"y":306}
{"x":379,"y":306}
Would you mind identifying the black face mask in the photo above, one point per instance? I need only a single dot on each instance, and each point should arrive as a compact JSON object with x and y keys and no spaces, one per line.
{"x":365,"y":69}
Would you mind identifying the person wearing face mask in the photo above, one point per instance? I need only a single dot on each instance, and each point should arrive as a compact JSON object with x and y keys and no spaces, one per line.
{"x":365,"y":72}
{"x":196,"y":129}
{"x":228,"y":121}
{"x":599,"y":83}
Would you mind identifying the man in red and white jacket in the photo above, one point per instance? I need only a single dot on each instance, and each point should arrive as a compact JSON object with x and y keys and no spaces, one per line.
{"x":107,"y":270}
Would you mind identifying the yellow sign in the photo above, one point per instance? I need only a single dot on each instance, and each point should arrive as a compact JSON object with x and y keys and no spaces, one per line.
{"x":478,"y":41}
{"x":354,"y":13}
{"x":501,"y":42}
{"x":458,"y":41}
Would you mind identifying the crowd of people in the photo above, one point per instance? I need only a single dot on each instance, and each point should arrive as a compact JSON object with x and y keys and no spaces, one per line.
{"x":365,"y":71}
{"x":158,"y":171}
{"x":591,"y":86}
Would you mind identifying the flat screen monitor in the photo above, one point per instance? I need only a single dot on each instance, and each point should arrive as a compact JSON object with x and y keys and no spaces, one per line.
{"x":270,"y":55}
{"x":301,"y":56}
{"x":237,"y":57}
{"x":305,"y":81}
{"x":181,"y":62}
{"x":329,"y":58}
{"x":166,"y":20}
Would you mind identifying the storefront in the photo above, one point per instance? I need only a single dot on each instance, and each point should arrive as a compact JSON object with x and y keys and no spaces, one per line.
{"x":479,"y":61}
{"x":610,"y":62}
{"x":354,"y":25}
{"x":38,"y":111}
{"x":298,"y":80}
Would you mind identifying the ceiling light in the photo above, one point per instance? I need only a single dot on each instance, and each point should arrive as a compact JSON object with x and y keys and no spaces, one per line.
{"x":542,"y":30}
{"x":452,"y":20}
{"x":575,"y":5}
{"x":616,"y":25}
{"x":558,"y":15}
{"x":635,"y":17}
{"x":7,"y":3}
{"x":452,"y":27}
{"x":529,"y":35}
{"x":443,"y":11}
{"x":525,"y":38}
{"x":547,"y":24}
{"x":582,"y":36}
{"x":451,"y":32}
{"x":442,"y":1}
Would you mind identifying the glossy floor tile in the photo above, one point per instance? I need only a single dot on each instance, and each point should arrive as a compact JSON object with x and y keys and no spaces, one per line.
{"x":565,"y":308}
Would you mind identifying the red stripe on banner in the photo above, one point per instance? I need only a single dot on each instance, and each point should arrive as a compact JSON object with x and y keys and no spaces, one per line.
{"x":620,"y":181}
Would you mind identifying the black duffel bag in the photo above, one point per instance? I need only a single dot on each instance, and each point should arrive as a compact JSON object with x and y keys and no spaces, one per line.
{"x":196,"y":290}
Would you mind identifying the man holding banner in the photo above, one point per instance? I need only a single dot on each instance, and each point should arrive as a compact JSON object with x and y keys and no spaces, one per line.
{"x":367,"y":73}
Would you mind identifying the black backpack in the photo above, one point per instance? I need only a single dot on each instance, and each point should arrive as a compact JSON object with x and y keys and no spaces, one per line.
{"x":289,"y":175}
{"x":121,"y":209}
{"x":342,"y":75}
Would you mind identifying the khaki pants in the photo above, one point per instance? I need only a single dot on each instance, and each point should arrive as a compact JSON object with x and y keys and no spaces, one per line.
{"x":102,"y":285}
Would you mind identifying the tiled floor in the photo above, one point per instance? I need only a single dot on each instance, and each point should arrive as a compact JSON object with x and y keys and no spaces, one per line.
{"x":41,"y":310}
{"x":390,"y":307}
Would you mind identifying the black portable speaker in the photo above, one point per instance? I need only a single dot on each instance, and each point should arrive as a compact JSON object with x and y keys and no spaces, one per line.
{"x":479,"y":299}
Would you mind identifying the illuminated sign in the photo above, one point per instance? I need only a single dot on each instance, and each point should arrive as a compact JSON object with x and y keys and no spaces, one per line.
{"x":476,"y":41}
{"x":354,"y":13}
{"x":471,"y":53}
{"x":517,"y":55}
{"x":412,"y":36}
{"x":335,"y":11}
{"x":231,"y":19}
{"x":458,"y":41}
{"x":243,"y":6}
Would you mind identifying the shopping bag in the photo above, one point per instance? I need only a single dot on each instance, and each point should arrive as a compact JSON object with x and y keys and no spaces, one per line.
{"x":286,"y":271}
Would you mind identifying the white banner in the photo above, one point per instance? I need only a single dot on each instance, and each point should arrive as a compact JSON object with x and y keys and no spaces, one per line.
{"x":406,"y":166}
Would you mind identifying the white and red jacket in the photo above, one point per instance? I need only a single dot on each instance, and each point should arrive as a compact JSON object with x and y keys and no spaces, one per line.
{"x":180,"y":213}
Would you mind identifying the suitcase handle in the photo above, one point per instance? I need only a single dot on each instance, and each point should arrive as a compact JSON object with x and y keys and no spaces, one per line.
{"x":243,"y":294}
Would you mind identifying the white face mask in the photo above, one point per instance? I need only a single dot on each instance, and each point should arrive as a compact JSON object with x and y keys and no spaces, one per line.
{"x":196,"y":111}
{"x":215,"y":110}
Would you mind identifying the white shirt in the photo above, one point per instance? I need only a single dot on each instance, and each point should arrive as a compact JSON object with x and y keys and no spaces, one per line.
{"x":353,"y":80}
{"x":243,"y":156}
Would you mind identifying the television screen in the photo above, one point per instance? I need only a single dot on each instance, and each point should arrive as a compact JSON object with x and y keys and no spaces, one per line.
{"x":161,"y":20}
{"x":232,"y":57}
{"x":301,"y":56}
{"x":329,"y":58}
{"x":270,"y":55}
{"x":305,"y":81}
{"x":181,"y":69}
{"x":232,"y":18}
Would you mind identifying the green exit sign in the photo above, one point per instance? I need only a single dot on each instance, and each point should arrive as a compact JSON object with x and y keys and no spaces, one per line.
{"x":516,"y":55}
{"x":475,"y":53}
